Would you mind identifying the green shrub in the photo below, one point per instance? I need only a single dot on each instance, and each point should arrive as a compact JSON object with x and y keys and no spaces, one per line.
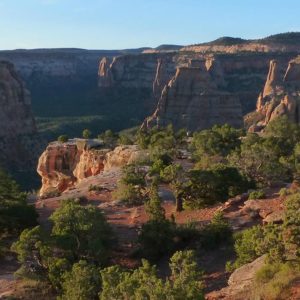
{"x":217,"y":232}
{"x":258,"y":194}
{"x":131,"y":189}
{"x":15,"y":213}
{"x":291,"y":225}
{"x":86,"y":133}
{"x":82,"y":282}
{"x":153,"y":206}
{"x":63,"y":138}
{"x":259,"y":240}
{"x":156,"y":239}
{"x":129,"y":194}
{"x":206,"y":187}
{"x":125,"y":140}
{"x":144,"y":282}
{"x":78,"y":233}
{"x":272,"y":281}
{"x":284,"y":192}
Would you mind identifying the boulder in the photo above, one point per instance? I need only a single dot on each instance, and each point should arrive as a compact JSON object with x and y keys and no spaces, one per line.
{"x":240,"y":282}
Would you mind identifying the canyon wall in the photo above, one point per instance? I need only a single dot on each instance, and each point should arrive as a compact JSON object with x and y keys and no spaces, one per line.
{"x":20,"y":144}
{"x":243,"y":75}
{"x":193,"y":100}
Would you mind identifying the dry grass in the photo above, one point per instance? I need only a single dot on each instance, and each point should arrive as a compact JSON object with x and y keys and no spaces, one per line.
{"x":273,"y":281}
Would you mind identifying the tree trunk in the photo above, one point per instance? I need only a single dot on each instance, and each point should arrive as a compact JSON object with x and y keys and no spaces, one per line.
{"x":179,"y":205}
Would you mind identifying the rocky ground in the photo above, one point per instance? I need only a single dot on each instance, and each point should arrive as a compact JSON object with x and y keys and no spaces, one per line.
{"x":126,"y":223}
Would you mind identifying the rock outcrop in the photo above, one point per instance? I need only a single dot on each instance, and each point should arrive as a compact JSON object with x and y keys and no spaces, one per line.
{"x":192,"y":100}
{"x":105,"y":78}
{"x":240,"y":282}
{"x":281,"y":95}
{"x":62,"y":165}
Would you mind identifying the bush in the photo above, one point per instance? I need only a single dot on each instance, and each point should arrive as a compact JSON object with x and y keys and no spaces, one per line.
{"x":218,"y":141}
{"x":78,"y":233}
{"x":86,"y":133}
{"x":83,"y":231}
{"x":131,"y":187}
{"x":153,"y":235}
{"x":82,"y":282}
{"x":15,"y":213}
{"x":206,"y":187}
{"x":144,"y":282}
{"x":110,"y":139}
{"x":129,"y":194}
{"x":125,"y":140}
{"x":291,"y":225}
{"x":63,"y":138}
{"x":259,"y":194}
{"x":153,"y":206}
{"x":284,"y":192}
{"x":217,"y":232}
{"x":259,"y":240}
{"x":273,"y":280}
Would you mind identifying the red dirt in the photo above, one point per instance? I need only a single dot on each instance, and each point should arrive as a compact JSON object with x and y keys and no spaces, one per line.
{"x":126,"y":223}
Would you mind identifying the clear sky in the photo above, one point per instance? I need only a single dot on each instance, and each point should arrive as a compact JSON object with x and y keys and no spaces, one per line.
{"x":119,"y":24}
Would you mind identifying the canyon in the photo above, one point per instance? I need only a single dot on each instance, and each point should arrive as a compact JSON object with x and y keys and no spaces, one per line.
{"x":192,"y":87}
{"x":74,"y":89}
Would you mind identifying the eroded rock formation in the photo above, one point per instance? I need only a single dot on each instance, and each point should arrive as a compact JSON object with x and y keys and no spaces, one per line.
{"x":281,"y":96}
{"x":63,"y":164}
{"x":193,"y":100}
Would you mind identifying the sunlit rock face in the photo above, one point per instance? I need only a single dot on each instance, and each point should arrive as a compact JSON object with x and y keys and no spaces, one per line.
{"x":193,"y":100}
{"x":62,"y":165}
{"x":281,"y":95}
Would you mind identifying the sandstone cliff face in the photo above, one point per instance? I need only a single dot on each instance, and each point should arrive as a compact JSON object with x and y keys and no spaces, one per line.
{"x":62,"y":165}
{"x":242,"y":75}
{"x":136,"y":71}
{"x":15,"y":114}
{"x":192,"y":100}
{"x":19,"y":143}
{"x":281,"y":95}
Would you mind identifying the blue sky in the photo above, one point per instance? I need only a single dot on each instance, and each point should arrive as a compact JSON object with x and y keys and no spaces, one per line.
{"x":119,"y":24}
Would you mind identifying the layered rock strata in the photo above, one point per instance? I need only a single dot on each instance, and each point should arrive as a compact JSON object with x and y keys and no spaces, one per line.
{"x":193,"y":100}
{"x":19,"y":142}
{"x":62,"y":165}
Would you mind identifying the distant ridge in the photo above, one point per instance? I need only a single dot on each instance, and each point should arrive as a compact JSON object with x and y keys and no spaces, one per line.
{"x":286,"y":38}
